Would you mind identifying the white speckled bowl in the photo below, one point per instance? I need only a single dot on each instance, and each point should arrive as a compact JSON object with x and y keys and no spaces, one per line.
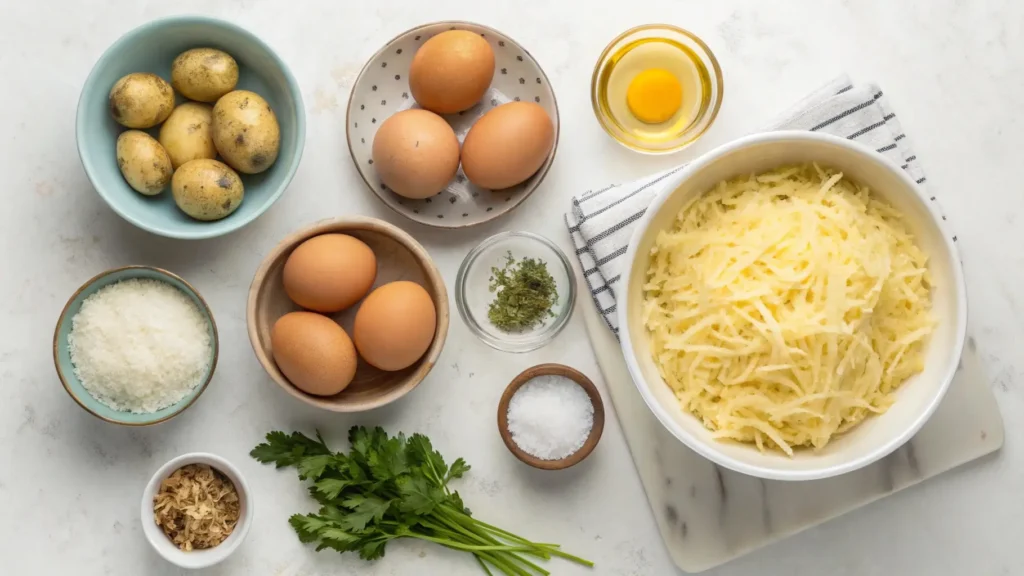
{"x":197,"y":558}
{"x":382,"y":89}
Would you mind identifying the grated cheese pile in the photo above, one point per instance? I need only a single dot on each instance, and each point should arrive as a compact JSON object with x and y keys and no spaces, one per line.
{"x":784,"y":308}
{"x":139,"y":345}
{"x":197,"y":507}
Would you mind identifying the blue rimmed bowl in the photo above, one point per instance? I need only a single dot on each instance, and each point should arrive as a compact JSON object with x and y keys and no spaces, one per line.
{"x":151,"y":48}
{"x":66,"y":369}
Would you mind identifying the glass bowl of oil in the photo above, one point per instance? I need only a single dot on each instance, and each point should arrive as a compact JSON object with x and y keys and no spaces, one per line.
{"x":656,"y":88}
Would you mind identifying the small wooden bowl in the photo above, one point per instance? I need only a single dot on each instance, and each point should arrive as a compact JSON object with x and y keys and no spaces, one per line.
{"x":399,"y":257}
{"x":552,"y":370}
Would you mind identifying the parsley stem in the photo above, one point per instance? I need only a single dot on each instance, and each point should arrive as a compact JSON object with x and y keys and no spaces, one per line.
{"x":502,"y":563}
{"x":470,"y":529}
{"x":478,"y":535}
{"x":483,"y":565}
{"x":533,"y":566}
{"x":503,"y":533}
{"x":469,"y":547}
{"x":553,"y":549}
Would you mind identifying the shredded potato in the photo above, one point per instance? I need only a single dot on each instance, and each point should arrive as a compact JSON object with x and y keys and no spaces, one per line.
{"x":785,"y":308}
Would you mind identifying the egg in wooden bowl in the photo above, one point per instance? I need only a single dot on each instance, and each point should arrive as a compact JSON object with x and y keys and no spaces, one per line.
{"x":348,"y":314}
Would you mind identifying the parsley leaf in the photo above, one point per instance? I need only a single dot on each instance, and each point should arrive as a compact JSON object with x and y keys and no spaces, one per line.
{"x":419,"y":496}
{"x":308,"y":526}
{"x":313,"y":467}
{"x":459,"y":467}
{"x":364,"y":510}
{"x":389,"y":461}
{"x":330,"y":488}
{"x":284,"y":450}
{"x":374,"y":548}
{"x":422,"y":453}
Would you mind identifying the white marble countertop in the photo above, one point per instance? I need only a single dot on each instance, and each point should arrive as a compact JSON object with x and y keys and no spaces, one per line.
{"x":70,"y":484}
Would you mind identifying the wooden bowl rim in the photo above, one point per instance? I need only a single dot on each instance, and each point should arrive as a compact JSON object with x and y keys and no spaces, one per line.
{"x":341,"y":225}
{"x":64,"y":312}
{"x":556,"y":370}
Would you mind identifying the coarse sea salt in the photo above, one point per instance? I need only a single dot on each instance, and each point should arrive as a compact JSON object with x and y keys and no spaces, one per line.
{"x":550,"y":417}
{"x":139,"y":345}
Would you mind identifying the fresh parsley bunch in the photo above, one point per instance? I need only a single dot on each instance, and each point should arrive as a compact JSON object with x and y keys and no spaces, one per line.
{"x":394,"y":487}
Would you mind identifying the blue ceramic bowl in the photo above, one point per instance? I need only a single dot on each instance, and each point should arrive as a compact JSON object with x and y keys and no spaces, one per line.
{"x":151,"y":48}
{"x":62,"y":356}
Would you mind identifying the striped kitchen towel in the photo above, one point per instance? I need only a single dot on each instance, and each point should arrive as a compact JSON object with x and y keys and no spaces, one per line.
{"x":601,"y":221}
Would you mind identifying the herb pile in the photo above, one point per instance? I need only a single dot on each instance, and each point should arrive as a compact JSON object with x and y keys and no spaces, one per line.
{"x":525,"y":294}
{"x":390,"y":487}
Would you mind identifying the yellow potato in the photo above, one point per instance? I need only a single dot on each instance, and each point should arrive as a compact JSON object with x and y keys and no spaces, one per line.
{"x":207,"y":189}
{"x":188,"y":133}
{"x":141,"y":100}
{"x":246,"y":132}
{"x":144,"y":163}
{"x":204,"y":74}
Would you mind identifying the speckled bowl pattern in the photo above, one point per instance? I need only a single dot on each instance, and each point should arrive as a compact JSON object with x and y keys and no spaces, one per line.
{"x":151,"y":48}
{"x":62,"y":355}
{"x":382,"y":89}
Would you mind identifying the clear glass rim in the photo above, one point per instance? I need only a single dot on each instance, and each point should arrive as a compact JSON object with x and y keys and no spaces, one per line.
{"x":700,"y":125}
{"x":541,"y":337}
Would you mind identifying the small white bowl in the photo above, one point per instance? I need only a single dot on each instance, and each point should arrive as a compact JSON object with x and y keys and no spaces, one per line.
{"x":916,"y":399}
{"x":196,"y":558}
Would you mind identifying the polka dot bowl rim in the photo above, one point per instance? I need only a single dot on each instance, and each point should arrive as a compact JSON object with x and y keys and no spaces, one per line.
{"x":65,"y":369}
{"x":397,"y":204}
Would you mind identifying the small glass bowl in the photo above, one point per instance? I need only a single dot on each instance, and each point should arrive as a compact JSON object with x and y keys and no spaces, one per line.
{"x":688,"y":134}
{"x":473,"y":296}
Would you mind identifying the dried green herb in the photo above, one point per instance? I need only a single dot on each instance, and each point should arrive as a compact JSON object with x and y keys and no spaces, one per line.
{"x":525,"y":293}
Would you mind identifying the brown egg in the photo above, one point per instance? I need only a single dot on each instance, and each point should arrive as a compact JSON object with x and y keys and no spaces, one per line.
{"x":416,"y":153}
{"x":329,"y":273}
{"x":313,"y":352}
{"x":507,"y":145}
{"x":395,"y":325}
{"x":451,"y":71}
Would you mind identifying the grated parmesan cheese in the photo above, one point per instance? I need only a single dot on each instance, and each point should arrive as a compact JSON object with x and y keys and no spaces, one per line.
{"x":139,"y":345}
{"x":785,"y":308}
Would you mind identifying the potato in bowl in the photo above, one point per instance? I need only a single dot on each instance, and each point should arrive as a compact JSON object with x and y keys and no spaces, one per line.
{"x":912,"y":402}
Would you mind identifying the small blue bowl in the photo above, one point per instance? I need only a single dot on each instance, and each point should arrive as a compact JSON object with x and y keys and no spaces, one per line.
{"x":151,"y":48}
{"x":66,"y":370}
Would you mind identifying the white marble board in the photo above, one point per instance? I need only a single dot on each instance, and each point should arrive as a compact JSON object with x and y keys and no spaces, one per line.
{"x":708,"y":515}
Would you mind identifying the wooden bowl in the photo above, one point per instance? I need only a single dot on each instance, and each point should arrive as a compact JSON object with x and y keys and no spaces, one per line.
{"x":552,"y":370}
{"x":399,"y":257}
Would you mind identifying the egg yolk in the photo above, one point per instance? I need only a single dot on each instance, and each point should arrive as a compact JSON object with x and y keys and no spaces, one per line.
{"x":654,"y":96}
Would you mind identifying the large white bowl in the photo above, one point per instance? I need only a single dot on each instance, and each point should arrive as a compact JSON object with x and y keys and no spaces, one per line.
{"x":916,"y":399}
